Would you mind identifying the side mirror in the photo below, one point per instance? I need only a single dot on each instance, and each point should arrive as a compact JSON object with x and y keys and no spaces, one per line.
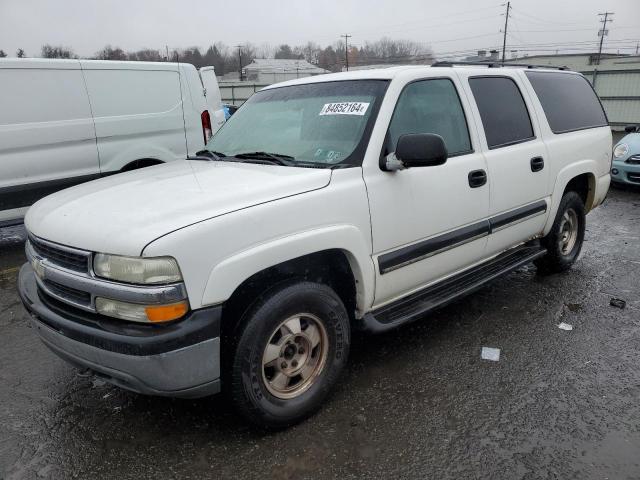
{"x":417,"y":150}
{"x":631,"y":128}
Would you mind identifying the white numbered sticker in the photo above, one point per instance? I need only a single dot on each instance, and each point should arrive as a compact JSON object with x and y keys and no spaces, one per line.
{"x":344,"y":108}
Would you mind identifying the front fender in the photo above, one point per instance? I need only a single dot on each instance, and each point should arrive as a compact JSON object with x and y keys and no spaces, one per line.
{"x":228,"y":274}
{"x":597,"y":188}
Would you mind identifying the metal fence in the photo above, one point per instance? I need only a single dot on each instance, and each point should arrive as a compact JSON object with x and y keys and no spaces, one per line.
{"x":619,"y":91}
{"x":236,"y":93}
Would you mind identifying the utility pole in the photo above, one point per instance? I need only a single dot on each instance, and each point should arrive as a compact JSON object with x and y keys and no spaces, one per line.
{"x":506,"y":24}
{"x":601,"y":34}
{"x":239,"y":47}
{"x":167,"y":48}
{"x":346,"y":50}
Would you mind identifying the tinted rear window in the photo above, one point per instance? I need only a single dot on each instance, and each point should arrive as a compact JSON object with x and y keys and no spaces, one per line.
{"x":568,"y":101}
{"x":502,"y":109}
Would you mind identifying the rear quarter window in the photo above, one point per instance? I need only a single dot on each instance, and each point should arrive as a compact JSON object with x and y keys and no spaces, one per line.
{"x":568,"y":101}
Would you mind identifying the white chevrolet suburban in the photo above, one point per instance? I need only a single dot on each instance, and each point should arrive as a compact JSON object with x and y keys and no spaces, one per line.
{"x":325,"y":205}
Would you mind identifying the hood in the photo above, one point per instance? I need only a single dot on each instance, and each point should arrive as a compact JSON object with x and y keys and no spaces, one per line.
{"x":122,"y":213}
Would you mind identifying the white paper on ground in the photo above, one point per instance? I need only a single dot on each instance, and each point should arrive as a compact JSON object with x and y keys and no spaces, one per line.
{"x":489,"y":353}
{"x":565,"y":326}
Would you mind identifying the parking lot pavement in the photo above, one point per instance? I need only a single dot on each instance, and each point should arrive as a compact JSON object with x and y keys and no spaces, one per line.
{"x":418,"y":402}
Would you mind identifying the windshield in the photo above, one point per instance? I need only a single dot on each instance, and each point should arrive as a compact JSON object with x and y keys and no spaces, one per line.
{"x":323,"y":123}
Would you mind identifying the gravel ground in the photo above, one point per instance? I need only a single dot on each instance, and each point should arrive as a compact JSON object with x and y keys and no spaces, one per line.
{"x":418,"y":402}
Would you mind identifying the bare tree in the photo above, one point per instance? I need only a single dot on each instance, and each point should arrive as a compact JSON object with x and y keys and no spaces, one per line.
{"x":215,"y":56}
{"x":51,"y":51}
{"x":265,"y":50}
{"x":2,"y":54}
{"x":310,"y":52}
{"x":146,"y":55}
{"x":387,"y":50}
{"x":286,"y":52}
{"x":191,"y":55}
{"x":111,"y":53}
{"x":20,"y":53}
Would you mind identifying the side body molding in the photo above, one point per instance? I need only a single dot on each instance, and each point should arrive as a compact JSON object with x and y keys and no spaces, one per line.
{"x":228,"y":274}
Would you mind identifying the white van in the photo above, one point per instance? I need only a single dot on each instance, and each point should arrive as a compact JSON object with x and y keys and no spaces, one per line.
{"x":214,"y":97}
{"x":64,"y":122}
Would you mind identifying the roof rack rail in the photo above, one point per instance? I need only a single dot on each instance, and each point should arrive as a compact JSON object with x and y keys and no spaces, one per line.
{"x":448,"y":63}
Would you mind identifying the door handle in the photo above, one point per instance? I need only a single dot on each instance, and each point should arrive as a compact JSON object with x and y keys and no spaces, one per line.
{"x":477,"y":178}
{"x":537,"y":164}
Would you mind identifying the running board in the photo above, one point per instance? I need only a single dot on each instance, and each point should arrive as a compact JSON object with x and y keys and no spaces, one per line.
{"x":414,"y":306}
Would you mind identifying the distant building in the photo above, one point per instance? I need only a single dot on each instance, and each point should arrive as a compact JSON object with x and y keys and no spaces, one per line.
{"x":272,"y":70}
{"x":584,"y":62}
{"x":483,"y":57}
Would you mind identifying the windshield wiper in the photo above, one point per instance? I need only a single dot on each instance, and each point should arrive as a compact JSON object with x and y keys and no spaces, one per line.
{"x":210,"y":154}
{"x":276,"y":158}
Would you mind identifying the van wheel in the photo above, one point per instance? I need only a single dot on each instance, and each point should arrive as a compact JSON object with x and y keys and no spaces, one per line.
{"x":290,"y":350}
{"x":564,"y":241}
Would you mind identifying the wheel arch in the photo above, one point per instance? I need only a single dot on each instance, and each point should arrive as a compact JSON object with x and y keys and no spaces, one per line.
{"x":336,"y":255}
{"x":578,"y":177}
{"x":141,"y":163}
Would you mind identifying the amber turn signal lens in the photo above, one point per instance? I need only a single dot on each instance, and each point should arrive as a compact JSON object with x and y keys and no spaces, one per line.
{"x":166,"y":313}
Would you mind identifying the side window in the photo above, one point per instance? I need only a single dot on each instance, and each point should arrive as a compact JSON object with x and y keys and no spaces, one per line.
{"x":502,"y":109}
{"x":568,"y":101}
{"x":431,"y":106}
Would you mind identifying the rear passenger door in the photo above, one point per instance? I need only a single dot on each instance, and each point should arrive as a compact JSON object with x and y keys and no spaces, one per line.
{"x":516,"y":159}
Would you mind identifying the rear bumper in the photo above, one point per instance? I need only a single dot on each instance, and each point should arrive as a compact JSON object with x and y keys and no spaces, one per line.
{"x":177,"y":360}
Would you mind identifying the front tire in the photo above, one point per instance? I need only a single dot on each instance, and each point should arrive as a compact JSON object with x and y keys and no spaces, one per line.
{"x":564,"y":241}
{"x":289,"y":352}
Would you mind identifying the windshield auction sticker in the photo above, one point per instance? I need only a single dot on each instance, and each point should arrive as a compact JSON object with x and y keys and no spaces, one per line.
{"x":344,"y":108}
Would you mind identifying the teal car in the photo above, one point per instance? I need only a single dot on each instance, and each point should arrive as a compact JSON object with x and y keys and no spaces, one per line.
{"x":625,"y":167}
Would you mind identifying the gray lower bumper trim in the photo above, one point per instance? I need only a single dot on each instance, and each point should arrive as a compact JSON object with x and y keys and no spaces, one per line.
{"x":189,"y":372}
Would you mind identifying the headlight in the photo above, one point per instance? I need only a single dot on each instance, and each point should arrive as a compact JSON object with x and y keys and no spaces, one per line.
{"x":141,"y":313}
{"x":140,"y":270}
{"x":621,"y":150}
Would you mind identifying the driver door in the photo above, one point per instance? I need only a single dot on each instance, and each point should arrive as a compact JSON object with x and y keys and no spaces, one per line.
{"x":428,"y":222}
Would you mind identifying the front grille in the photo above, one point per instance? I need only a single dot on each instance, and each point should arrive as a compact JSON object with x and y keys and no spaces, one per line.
{"x":68,"y":294}
{"x":634,"y":160}
{"x":634,"y":177}
{"x":60,"y":256}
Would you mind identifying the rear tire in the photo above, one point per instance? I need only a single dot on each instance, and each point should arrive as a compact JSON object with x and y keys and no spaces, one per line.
{"x":564,"y":241}
{"x":290,"y":349}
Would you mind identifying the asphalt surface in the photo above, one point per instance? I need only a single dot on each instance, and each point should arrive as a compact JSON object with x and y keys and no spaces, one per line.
{"x":418,"y":402}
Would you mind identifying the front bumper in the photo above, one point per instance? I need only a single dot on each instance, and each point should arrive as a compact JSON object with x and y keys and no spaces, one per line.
{"x":627,"y":173}
{"x":181,"y":359}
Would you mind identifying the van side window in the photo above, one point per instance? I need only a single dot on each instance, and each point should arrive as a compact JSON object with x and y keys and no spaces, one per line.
{"x":431,"y":106}
{"x":502,"y":109}
{"x":568,"y":101}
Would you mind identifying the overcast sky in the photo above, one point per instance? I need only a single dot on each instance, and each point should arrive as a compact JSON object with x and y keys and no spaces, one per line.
{"x":446,"y":25}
